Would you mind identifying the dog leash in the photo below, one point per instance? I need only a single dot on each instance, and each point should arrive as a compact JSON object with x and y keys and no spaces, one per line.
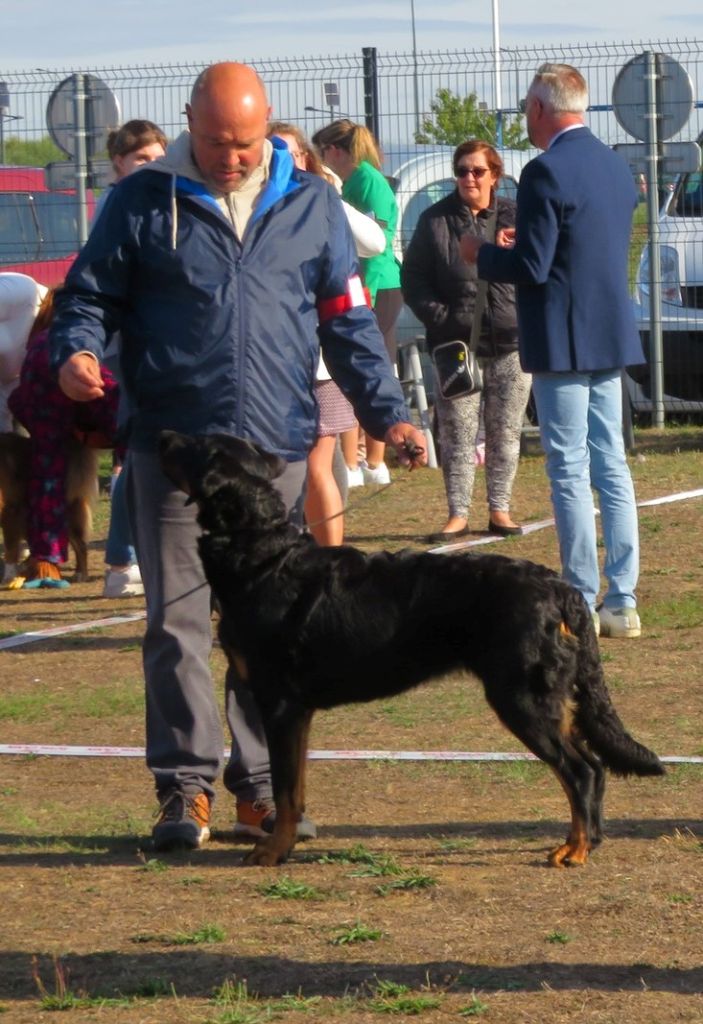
{"x":413,"y":451}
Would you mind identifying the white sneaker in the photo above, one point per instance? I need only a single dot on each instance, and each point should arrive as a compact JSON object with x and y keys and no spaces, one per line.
{"x":355,"y":477}
{"x":595,"y":618}
{"x":619,"y":623}
{"x":378,"y":475}
{"x":123,"y":582}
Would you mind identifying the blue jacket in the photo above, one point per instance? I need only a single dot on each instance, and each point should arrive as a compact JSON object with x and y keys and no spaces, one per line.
{"x":570,"y":261}
{"x":220,"y":335}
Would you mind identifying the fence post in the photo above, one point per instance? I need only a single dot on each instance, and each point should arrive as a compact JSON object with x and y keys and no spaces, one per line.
{"x":80,"y":155}
{"x":371,"y":90}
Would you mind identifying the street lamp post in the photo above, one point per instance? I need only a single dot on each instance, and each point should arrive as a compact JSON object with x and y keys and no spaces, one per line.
{"x":4,"y":112}
{"x":416,"y":92}
{"x":498,"y":98}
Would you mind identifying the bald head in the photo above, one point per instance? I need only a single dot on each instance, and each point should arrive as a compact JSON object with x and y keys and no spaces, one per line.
{"x":227,"y":116}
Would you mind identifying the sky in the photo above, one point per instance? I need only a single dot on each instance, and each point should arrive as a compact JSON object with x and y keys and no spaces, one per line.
{"x":76,"y":34}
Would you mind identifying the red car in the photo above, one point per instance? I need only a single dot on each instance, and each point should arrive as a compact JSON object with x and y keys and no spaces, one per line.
{"x":38,"y":228}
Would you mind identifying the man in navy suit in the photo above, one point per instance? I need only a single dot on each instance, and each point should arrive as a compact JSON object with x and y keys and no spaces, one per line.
{"x":568,"y":257}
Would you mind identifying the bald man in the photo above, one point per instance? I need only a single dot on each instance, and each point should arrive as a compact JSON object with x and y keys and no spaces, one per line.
{"x":225,"y":269}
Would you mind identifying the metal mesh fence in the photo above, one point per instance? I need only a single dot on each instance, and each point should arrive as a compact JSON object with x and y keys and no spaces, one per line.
{"x":394,"y":94}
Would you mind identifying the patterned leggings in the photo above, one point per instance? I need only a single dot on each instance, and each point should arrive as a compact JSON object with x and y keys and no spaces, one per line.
{"x":52,"y":419}
{"x":506,"y":390}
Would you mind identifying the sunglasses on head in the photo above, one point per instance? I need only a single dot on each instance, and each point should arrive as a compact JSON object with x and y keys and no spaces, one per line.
{"x":478,"y":172}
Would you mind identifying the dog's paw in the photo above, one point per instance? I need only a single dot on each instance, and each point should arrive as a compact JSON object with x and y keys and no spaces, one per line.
{"x":569,"y":855}
{"x":266,"y":855}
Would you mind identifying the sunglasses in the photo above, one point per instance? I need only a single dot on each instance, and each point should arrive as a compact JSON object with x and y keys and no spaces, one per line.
{"x":478,"y":172}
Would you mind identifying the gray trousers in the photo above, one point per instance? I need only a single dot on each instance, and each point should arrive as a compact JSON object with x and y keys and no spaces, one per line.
{"x":506,"y":390}
{"x":184,"y":738}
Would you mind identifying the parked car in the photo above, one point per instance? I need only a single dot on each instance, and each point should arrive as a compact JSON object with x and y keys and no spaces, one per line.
{"x":38,"y":227}
{"x":681,"y":286}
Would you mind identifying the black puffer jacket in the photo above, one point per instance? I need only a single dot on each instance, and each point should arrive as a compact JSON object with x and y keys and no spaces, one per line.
{"x":440,"y":288}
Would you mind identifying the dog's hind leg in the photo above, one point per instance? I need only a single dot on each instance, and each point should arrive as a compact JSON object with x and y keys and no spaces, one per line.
{"x":597,"y":794}
{"x":287,"y":730}
{"x":577,"y":778}
{"x":581,"y":781}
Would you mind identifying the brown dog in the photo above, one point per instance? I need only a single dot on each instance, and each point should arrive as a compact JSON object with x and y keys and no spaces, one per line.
{"x":81,"y":497}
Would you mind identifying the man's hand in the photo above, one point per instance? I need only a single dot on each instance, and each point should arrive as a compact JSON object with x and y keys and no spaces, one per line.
{"x":80,"y":379}
{"x":469,"y":246}
{"x":505,"y":238}
{"x":409,"y":443}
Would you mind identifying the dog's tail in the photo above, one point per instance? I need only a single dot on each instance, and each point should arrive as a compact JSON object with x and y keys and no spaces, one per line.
{"x":595,"y":717}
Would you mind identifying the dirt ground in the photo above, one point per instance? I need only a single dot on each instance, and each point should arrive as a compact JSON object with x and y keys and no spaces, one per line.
{"x":438,"y":866}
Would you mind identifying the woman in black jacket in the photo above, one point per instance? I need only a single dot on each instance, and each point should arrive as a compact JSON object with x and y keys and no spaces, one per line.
{"x":440,"y":289}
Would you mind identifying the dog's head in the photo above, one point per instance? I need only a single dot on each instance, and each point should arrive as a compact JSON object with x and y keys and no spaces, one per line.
{"x":229,"y":479}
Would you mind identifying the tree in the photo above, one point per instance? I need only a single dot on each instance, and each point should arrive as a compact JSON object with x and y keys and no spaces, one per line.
{"x":454,"y":120}
{"x":31,"y":152}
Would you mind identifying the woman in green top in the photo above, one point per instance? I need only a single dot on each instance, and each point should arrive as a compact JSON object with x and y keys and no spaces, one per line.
{"x":350,"y":150}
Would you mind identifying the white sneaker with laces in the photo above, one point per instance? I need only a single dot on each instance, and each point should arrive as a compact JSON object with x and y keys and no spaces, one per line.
{"x":377,"y":475}
{"x":123,"y":582}
{"x":619,"y":623}
{"x":355,"y":477}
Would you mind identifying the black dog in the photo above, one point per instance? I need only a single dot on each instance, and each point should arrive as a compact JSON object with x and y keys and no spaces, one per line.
{"x":313,"y":627}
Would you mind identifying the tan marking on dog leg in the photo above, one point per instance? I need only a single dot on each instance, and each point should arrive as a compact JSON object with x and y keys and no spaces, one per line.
{"x":274,"y":849}
{"x":240,"y":666}
{"x":568,"y":711}
{"x":574,"y":851}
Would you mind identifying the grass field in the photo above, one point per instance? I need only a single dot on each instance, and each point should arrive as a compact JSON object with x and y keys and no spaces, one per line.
{"x":426,"y":894}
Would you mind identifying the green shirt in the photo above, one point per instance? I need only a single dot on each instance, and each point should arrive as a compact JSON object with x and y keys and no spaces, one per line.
{"x":368,"y":191}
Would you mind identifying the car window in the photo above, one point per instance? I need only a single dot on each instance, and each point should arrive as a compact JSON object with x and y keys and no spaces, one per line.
{"x":432,"y":193}
{"x":36,"y":226}
{"x":689,"y":198}
{"x":420,"y":202}
{"x":19,"y":238}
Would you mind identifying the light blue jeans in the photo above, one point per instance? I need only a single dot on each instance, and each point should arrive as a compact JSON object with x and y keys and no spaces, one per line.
{"x":119,"y":549}
{"x":580,"y":421}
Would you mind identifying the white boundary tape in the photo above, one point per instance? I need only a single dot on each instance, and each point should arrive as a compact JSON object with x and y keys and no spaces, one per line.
{"x":38,"y":749}
{"x":80,"y":627}
{"x":313,"y":755}
{"x":544,"y":523}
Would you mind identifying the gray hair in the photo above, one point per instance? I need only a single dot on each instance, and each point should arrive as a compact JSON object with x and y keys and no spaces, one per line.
{"x":561,"y":88}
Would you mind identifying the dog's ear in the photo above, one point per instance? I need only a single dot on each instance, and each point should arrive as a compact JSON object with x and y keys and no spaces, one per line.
{"x":266,"y":465}
{"x":181,"y":460}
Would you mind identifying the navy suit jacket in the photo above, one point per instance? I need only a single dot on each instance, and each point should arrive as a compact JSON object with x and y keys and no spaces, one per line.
{"x":570,"y":261}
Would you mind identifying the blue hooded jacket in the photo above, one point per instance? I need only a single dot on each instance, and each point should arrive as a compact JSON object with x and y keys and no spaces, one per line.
{"x":223,"y":335}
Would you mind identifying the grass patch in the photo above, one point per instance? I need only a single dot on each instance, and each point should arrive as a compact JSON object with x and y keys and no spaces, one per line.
{"x":205,"y":935}
{"x":391,"y":997}
{"x":74,"y":704}
{"x":358,"y":932}
{"x":474,"y":1009}
{"x":408,"y":882}
{"x":685,"y":611}
{"x":286,"y":888}
{"x":208,"y":933}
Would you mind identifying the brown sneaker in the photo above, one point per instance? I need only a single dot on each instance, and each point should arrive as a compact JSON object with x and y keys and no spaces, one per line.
{"x":183,"y":821}
{"x":256,"y":818}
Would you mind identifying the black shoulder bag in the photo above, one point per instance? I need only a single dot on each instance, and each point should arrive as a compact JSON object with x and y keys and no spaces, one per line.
{"x":456,"y":363}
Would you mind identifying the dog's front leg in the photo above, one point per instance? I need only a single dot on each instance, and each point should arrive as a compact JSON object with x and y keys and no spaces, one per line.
{"x":287,"y":729}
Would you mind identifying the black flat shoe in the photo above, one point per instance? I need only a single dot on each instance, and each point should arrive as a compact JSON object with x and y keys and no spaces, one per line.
{"x":504,"y":531}
{"x":446,"y":536}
